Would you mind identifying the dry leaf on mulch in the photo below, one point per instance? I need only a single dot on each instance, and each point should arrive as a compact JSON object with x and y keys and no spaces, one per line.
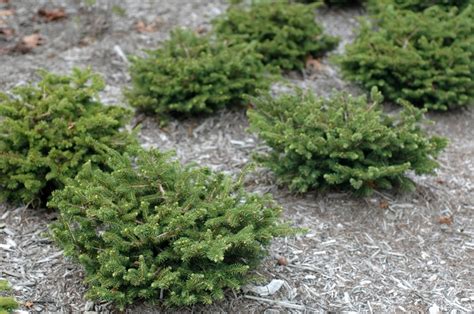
{"x":28,"y":304}
{"x":141,"y":27}
{"x":383,"y":204}
{"x":282,"y":261}
{"x":8,"y":12}
{"x":32,"y":41}
{"x":28,"y":43}
{"x":313,"y":64}
{"x":50,"y":15}
{"x":201,"y":29}
{"x":445,"y":220}
{"x":7,"y":33}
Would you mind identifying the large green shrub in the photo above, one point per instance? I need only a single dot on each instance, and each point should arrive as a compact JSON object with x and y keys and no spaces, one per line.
{"x":425,"y":58}
{"x":152,"y":227}
{"x":48,"y":131}
{"x":285,"y":34}
{"x":343,"y":142}
{"x":7,"y":303}
{"x":191,"y":74}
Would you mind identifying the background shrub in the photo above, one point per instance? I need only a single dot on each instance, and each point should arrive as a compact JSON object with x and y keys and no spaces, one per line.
{"x":343,"y":142}
{"x":425,"y":58}
{"x":285,"y":34}
{"x":152,"y":226}
{"x":48,"y":131}
{"x":191,"y":74}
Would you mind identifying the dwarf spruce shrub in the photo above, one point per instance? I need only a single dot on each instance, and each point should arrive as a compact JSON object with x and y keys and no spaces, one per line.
{"x":285,"y":34}
{"x":152,"y":227}
{"x":7,"y":303}
{"x":190,"y":74}
{"x":48,"y":131}
{"x":342,"y":142}
{"x":425,"y":58}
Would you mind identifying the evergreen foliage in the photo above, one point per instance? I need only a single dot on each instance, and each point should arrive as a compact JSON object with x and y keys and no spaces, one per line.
{"x":343,"y":141}
{"x":152,"y":226}
{"x":425,"y":58}
{"x":190,"y":74}
{"x":419,"y":5}
{"x":335,"y":2}
{"x":7,"y":303}
{"x":327,"y":2}
{"x":48,"y":131}
{"x":284,"y":33}
{"x":414,"y":5}
{"x":342,"y":2}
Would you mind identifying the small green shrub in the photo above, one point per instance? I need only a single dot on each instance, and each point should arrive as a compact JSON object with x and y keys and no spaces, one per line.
{"x":425,"y":58}
{"x":153,"y":227}
{"x":341,"y":142}
{"x":48,"y":131}
{"x":285,"y":34}
{"x":7,"y":303}
{"x":191,"y":74}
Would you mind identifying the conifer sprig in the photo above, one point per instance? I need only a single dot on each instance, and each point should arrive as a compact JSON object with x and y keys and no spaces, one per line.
{"x":7,"y":303}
